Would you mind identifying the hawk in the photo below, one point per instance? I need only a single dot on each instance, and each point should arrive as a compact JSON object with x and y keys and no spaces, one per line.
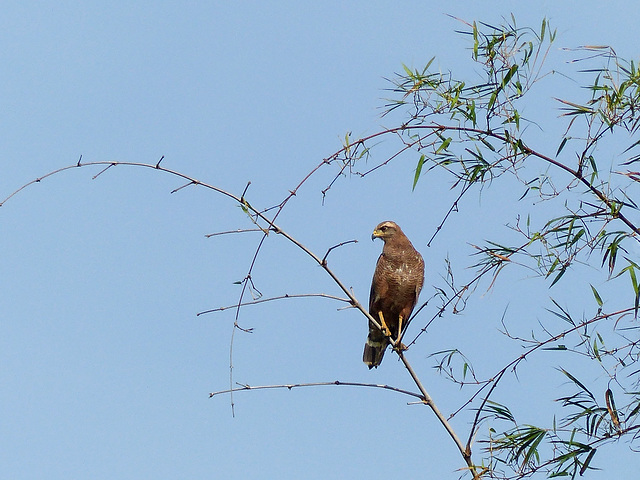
{"x":396,"y":285}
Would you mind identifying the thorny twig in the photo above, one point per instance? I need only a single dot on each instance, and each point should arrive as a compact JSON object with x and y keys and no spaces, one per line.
{"x":281,"y":297}
{"x":318,"y":384}
{"x":324,"y":259}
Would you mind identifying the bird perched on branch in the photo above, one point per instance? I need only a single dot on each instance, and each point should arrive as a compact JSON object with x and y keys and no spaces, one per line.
{"x":395,"y":288}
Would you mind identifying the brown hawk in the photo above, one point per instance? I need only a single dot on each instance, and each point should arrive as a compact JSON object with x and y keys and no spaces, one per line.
{"x":396,"y":285}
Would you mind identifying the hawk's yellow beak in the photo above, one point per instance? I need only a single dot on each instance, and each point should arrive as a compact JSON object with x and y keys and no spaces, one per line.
{"x":376,"y":234}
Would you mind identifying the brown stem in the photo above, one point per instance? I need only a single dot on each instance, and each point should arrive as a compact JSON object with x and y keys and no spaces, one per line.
{"x":426,"y":398}
{"x":271,"y":299}
{"x":318,"y":384}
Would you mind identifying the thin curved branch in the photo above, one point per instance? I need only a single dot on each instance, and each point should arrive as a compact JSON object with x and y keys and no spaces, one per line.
{"x":192,"y":181}
{"x":324,"y":259}
{"x":453,"y":208}
{"x":318,"y":384}
{"x":476,"y":420}
{"x":280,"y":297}
{"x":238,"y":230}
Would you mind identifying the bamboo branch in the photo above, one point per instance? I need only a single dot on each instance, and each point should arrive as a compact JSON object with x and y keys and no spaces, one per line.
{"x":426,"y":398}
{"x":318,"y":384}
{"x":280,"y":297}
{"x":324,"y":259}
{"x":238,"y":230}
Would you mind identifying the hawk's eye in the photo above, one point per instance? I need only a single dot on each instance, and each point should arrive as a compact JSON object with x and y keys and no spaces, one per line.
{"x":384,"y":228}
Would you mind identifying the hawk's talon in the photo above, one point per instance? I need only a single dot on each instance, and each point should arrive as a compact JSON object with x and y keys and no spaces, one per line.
{"x":400,"y":348}
{"x":385,"y":330}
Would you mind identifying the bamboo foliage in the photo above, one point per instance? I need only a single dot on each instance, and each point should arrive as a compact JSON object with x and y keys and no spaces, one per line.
{"x":477,"y":134}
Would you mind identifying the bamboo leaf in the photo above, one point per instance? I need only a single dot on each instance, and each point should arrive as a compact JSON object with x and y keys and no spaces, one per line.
{"x":587,"y":461}
{"x":428,"y":64}
{"x":562,"y":271}
{"x":537,"y":436}
{"x":421,"y":161}
{"x":634,"y":283}
{"x":611,"y":407}
{"x":564,"y":315}
{"x":596,"y":295}
{"x":634,"y":411}
{"x":476,"y":41}
{"x":492,"y":100}
{"x":444,"y":145}
{"x":500,"y":411}
{"x":575,"y":238}
{"x":562,"y":144}
{"x":510,"y":73}
{"x":596,"y":352}
{"x":578,"y":383}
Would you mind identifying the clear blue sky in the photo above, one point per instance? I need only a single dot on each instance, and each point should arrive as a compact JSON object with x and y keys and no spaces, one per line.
{"x":105,"y":369}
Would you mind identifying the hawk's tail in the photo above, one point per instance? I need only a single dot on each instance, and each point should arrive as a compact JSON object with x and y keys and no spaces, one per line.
{"x":374,"y":349}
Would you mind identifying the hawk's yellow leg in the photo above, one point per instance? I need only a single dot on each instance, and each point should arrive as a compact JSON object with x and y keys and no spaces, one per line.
{"x":385,"y":330}
{"x":399,"y":345}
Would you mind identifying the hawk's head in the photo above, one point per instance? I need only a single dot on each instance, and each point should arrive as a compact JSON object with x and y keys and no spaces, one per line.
{"x":385,"y":231}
